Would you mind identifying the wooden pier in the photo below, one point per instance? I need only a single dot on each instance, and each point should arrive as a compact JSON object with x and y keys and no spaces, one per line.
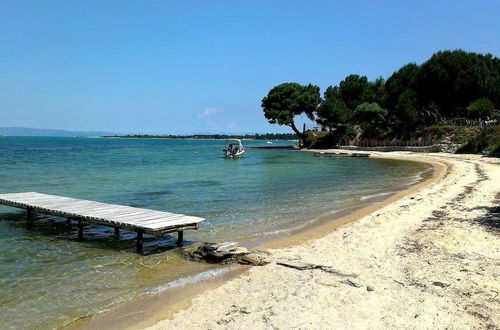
{"x":142,"y":221}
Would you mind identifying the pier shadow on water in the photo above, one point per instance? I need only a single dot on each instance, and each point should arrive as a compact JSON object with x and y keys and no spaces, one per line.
{"x":53,"y":228}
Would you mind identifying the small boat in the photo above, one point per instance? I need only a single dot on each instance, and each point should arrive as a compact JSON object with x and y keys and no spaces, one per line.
{"x":269,"y":142}
{"x":234,"y":149}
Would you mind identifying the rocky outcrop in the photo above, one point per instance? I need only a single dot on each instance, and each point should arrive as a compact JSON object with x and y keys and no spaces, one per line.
{"x":225,"y":253}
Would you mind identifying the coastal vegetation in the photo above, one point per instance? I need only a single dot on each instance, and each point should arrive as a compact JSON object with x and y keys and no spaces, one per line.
{"x":449,"y":91}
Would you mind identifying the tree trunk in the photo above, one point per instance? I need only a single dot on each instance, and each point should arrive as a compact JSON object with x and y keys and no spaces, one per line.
{"x":299,"y":134}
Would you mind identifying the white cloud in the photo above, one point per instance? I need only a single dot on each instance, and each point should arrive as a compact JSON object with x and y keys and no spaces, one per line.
{"x":207,"y":112}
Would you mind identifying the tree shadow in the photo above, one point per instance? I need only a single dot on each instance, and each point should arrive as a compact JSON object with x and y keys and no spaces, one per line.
{"x":490,"y":220}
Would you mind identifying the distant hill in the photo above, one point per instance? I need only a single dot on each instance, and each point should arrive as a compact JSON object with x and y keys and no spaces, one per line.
{"x":25,"y":131}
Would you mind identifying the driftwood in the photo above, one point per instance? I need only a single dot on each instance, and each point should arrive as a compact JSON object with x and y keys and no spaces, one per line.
{"x":354,"y":284}
{"x":300,"y":265}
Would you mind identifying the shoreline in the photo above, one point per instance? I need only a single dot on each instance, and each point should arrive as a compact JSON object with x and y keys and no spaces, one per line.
{"x":318,"y":230}
{"x":424,"y":260}
{"x":150,"y":309}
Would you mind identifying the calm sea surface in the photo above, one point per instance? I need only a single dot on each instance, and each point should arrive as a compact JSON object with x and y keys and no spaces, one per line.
{"x":47,"y":279}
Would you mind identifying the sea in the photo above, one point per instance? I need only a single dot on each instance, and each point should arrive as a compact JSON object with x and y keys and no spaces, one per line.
{"x":48,"y":279}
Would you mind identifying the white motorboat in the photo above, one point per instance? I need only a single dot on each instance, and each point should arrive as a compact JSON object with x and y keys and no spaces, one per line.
{"x":269,"y":142}
{"x":234,"y":149}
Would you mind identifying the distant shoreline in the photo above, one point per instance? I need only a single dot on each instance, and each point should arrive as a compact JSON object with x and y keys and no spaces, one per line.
{"x":270,"y":136}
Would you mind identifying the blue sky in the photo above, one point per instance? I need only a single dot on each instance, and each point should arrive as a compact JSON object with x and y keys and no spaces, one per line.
{"x":203,"y":66}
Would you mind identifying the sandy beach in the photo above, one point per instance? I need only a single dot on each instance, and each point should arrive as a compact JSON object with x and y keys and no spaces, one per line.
{"x":426,"y":258}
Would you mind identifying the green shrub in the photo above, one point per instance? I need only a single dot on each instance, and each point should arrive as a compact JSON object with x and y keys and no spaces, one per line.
{"x":487,"y":141}
{"x":495,"y":149}
{"x":311,"y":138}
{"x":481,"y":108}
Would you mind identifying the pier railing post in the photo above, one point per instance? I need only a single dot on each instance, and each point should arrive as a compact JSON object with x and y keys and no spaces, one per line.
{"x":140,"y":240}
{"x":180,"y":237}
{"x":29,"y":217}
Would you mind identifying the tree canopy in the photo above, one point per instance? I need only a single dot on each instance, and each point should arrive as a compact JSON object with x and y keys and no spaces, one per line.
{"x":370,"y":113}
{"x":333,"y":112}
{"x":450,"y":84}
{"x":354,"y":89}
{"x":287,"y":100}
{"x":453,"y":79}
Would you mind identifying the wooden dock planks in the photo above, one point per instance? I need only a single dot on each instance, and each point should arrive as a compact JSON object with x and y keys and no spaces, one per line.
{"x":143,"y":221}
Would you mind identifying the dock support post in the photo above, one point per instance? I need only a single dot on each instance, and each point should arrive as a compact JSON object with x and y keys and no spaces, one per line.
{"x":117,"y":233}
{"x":180,"y":237}
{"x":29,"y":217}
{"x":80,"y":229}
{"x":140,"y":240}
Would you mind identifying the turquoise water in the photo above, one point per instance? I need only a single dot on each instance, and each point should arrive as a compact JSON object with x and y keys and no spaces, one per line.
{"x":48,"y":279}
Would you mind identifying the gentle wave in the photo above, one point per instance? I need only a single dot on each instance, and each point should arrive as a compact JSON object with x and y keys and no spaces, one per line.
{"x":188,"y":280}
{"x":417,"y":177}
{"x":156,"y":289}
{"x":373,"y":196}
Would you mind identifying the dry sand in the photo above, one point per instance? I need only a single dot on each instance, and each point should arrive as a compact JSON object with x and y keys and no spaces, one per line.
{"x":428,"y":260}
